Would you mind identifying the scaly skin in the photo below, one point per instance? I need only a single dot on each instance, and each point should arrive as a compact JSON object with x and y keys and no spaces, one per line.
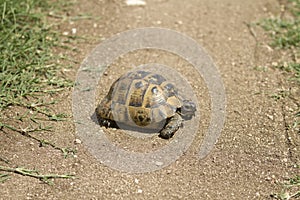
{"x":173,"y":124}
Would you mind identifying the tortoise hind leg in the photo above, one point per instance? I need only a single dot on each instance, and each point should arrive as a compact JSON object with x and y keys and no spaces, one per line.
{"x":107,"y":123}
{"x":104,"y":114}
{"x":172,"y":125}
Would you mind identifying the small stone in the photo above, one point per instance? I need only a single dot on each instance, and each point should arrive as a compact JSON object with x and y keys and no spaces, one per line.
{"x":270,"y":117}
{"x":135,"y":3}
{"x":270,"y":49}
{"x":179,"y":22}
{"x":136,"y":181}
{"x":158,"y":22}
{"x":65,"y":33}
{"x":74,"y":30}
{"x":139,"y":191}
{"x":77,"y":141}
{"x":158,"y":163}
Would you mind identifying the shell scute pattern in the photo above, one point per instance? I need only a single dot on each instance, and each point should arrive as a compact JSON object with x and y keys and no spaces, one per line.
{"x":143,"y":99}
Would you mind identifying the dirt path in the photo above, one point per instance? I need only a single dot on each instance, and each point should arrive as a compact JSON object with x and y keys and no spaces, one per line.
{"x":252,"y":153}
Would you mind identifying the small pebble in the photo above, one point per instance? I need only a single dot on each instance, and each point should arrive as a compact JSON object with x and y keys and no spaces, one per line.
{"x":74,"y":30}
{"x":273,"y":176}
{"x":77,"y":141}
{"x":179,"y":22}
{"x":135,"y":3}
{"x":158,"y":163}
{"x":270,"y":117}
{"x":139,"y":191}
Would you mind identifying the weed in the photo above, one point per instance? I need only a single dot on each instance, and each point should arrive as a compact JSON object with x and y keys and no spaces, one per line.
{"x":29,"y":71}
{"x":4,"y":177}
{"x":285,"y":32}
{"x":27,"y":132}
{"x":280,"y":94}
{"x":286,"y":195}
{"x":261,"y":68}
{"x":285,"y":35}
{"x":28,"y":66}
{"x":32,"y":173}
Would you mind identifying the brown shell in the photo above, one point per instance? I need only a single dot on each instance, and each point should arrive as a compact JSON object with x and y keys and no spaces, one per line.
{"x":140,"y":98}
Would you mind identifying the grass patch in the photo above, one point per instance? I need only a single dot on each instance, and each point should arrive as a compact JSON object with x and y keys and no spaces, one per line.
{"x":30,"y":72}
{"x":292,"y":68}
{"x":28,"y":65}
{"x":29,"y":68}
{"x":285,"y":32}
{"x":285,"y":194}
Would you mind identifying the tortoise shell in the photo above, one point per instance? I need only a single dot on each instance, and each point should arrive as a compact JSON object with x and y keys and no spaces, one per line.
{"x":140,"y":98}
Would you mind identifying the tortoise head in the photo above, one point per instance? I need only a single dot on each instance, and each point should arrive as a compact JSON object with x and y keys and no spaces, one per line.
{"x":188,"y":109}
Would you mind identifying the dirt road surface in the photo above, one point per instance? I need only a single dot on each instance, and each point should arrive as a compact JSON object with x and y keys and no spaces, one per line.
{"x":253,"y":152}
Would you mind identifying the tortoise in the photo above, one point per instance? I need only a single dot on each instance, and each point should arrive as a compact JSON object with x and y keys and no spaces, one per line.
{"x":145,"y":100}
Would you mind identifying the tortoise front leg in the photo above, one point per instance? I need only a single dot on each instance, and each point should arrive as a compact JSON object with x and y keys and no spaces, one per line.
{"x":172,"y":125}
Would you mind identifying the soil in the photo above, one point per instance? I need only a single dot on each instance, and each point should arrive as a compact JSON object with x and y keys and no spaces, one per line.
{"x":255,"y":152}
